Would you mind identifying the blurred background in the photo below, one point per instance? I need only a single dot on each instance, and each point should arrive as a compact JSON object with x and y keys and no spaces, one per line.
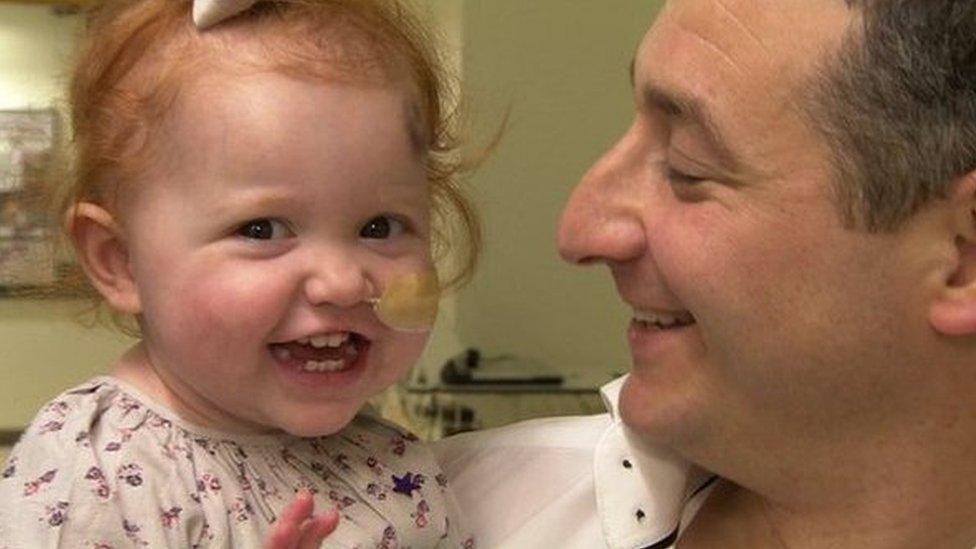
{"x":530,"y":336}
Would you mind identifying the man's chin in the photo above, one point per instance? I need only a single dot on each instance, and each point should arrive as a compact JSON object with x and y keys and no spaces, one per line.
{"x":661,"y":415}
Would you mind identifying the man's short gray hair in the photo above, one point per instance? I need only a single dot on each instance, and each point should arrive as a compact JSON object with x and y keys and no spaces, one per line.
{"x":897,"y":106}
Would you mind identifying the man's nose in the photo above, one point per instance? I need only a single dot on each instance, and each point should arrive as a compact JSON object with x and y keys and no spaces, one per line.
{"x":602,"y":220}
{"x":337,"y":280}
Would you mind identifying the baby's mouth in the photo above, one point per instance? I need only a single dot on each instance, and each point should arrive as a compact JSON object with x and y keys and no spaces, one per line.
{"x":331,"y":352}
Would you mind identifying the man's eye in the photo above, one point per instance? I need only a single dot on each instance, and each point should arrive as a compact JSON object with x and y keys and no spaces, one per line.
{"x":681,"y":178}
{"x":263,"y":229}
{"x":381,"y":227}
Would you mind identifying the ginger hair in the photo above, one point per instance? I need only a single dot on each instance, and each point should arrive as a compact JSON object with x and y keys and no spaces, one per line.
{"x":139,"y":54}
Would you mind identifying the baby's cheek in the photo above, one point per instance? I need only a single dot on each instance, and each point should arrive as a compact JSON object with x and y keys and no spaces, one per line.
{"x":220,"y":308}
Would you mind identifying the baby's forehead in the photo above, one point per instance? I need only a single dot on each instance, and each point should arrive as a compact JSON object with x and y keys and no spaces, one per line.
{"x":237,"y":58}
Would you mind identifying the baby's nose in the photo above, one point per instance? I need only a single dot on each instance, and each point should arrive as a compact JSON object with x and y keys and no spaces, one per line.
{"x":341,"y":285}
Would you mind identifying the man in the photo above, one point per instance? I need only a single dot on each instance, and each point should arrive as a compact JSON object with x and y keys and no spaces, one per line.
{"x":792,"y":217}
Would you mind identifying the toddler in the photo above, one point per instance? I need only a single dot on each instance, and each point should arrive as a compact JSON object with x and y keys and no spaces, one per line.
{"x":260,"y":192}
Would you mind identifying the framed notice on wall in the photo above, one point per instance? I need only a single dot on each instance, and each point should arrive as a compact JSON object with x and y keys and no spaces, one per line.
{"x":27,"y":146}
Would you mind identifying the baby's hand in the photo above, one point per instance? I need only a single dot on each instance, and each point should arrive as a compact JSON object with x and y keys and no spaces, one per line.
{"x":298,"y":528}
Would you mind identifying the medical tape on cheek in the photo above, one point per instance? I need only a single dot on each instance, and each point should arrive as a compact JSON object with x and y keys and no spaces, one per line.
{"x":409,"y":302}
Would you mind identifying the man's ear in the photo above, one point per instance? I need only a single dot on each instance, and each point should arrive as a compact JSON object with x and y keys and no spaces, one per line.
{"x":102,"y":252}
{"x":953,"y":311}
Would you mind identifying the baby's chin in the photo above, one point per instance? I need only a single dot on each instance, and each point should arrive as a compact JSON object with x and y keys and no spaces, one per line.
{"x":321,"y":424}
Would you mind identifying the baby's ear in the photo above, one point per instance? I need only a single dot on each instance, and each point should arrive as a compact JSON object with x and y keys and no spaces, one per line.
{"x":953,"y":311}
{"x":102,"y":252}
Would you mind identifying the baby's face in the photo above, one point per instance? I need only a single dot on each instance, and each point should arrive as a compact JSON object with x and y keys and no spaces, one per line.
{"x":279,"y":207}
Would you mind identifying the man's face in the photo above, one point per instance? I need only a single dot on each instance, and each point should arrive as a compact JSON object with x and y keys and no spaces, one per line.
{"x":758,"y":315}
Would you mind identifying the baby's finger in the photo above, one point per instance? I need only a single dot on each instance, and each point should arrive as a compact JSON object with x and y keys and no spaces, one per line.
{"x":317,"y":529}
{"x":299,"y":509}
{"x":287,"y":530}
{"x":282,"y":536}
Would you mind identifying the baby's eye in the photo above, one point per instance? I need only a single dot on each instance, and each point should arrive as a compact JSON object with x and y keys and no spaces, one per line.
{"x":381,"y":227}
{"x":263,"y":229}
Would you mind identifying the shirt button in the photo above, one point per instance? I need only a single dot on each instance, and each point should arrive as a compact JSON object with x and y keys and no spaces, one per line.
{"x":640,"y":515}
{"x":627,"y":464}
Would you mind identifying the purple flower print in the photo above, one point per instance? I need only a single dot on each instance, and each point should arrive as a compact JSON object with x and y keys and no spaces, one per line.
{"x":157,"y":422}
{"x":340,"y":501}
{"x":57,"y":514}
{"x":399,"y":446}
{"x":128,"y":405}
{"x":441,"y":479}
{"x":316,"y":446}
{"x":171,"y":518}
{"x":32,"y":487}
{"x":51,"y":427}
{"x":205,"y":536}
{"x":407,"y":483}
{"x":208,"y":482}
{"x":132,"y":532}
{"x":82,"y":439}
{"x":342,"y":462}
{"x":131,"y":474}
{"x":96,"y":476}
{"x":59,"y":408}
{"x":11,"y":468}
{"x":420,"y":515}
{"x":116,"y":445}
{"x":389,"y":540}
{"x":241,"y":510}
{"x":376,"y":491}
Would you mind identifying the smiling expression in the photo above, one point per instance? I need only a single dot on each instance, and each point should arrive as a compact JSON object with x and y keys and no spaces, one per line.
{"x":279,"y":208}
{"x":714,"y":212}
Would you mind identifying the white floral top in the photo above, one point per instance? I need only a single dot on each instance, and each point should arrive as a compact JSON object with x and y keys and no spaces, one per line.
{"x":103,"y":467}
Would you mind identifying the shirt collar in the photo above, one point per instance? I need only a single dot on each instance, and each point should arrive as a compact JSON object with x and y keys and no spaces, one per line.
{"x":641,"y":489}
{"x":610,"y":393}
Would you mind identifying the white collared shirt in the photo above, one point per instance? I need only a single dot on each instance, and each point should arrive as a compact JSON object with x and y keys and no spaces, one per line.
{"x":571,"y":482}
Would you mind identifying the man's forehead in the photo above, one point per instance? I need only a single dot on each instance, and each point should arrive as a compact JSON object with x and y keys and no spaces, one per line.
{"x":786,"y":36}
{"x":734,"y":72}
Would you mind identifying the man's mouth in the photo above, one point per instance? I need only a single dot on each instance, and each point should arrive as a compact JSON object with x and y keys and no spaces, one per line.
{"x":660,"y":320}
{"x":327,"y":352}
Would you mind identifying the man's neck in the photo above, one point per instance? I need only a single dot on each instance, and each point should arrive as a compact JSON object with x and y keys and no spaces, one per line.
{"x":734,"y":517}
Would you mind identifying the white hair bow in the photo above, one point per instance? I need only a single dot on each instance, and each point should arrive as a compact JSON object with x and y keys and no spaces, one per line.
{"x":207,"y":13}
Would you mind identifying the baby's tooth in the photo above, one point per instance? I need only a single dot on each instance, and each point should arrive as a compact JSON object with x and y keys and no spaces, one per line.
{"x":331,"y":365}
{"x":323,"y":366}
{"x":319,"y":341}
{"x":281,"y":353}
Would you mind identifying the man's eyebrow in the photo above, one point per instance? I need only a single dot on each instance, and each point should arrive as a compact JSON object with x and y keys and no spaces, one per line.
{"x":686,"y":108}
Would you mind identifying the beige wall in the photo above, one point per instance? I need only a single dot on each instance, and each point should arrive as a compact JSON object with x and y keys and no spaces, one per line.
{"x":35,"y":46}
{"x":561,"y":66}
{"x":42,"y":349}
{"x":45,"y":350}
